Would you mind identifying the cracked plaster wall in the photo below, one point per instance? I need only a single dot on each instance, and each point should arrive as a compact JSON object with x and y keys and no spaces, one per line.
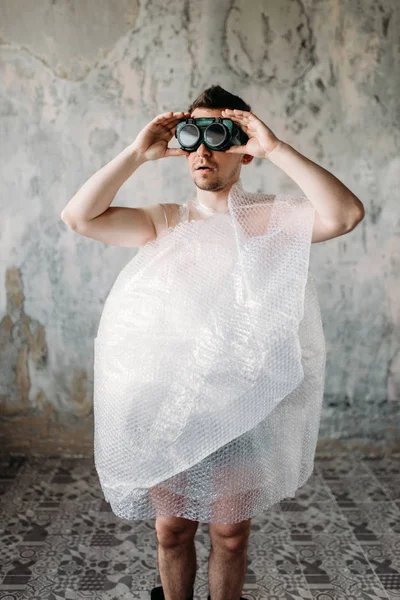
{"x":79,"y":80}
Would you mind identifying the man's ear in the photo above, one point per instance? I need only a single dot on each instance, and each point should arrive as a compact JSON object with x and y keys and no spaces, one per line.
{"x":246,"y":159}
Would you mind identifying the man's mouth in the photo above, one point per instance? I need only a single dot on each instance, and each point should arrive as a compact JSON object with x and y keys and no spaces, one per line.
{"x":204,"y":169}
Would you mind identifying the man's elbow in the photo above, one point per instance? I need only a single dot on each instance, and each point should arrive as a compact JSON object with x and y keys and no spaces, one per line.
{"x":68,"y":220}
{"x":357,"y":215}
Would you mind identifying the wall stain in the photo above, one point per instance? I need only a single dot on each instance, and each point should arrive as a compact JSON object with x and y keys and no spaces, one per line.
{"x":35,"y":424}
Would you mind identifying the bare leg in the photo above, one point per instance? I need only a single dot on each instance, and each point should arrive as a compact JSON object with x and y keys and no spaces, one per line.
{"x":176,"y":556}
{"x":228,"y":560}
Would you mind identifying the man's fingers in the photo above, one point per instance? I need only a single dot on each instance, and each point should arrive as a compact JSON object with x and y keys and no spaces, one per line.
{"x":168,"y":122}
{"x":236,"y":150}
{"x":172,"y":127}
{"x":169,"y":117}
{"x":175,"y":152}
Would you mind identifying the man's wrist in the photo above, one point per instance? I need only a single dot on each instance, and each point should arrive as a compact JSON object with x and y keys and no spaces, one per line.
{"x":277,"y":152}
{"x":135,"y":155}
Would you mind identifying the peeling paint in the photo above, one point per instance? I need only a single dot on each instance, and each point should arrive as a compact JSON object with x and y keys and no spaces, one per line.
{"x":23,"y":346}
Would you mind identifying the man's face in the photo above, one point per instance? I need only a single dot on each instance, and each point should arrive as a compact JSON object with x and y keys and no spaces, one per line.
{"x":226,"y":167}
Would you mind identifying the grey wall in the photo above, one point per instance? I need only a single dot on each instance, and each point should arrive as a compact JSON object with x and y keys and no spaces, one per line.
{"x":78,"y":80}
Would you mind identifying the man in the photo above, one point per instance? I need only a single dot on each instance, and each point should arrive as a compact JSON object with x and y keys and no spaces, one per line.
{"x":155,"y":443}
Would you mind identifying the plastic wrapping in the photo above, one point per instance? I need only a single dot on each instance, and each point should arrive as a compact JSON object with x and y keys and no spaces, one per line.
{"x":210,"y":364}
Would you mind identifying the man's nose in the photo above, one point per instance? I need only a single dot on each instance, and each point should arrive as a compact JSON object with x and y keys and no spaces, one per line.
{"x":203,"y":150}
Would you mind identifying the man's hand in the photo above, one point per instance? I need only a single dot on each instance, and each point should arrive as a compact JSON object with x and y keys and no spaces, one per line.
{"x":152,"y":142}
{"x":262,"y":141}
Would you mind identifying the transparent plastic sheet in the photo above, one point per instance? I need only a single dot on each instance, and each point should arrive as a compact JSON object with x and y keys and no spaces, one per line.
{"x":209,"y":366}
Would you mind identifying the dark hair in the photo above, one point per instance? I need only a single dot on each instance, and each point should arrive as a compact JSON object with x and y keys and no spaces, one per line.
{"x":216,"y":97}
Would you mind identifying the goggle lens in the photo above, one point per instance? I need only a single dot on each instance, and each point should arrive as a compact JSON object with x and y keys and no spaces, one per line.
{"x":189,"y":135}
{"x":215,"y":135}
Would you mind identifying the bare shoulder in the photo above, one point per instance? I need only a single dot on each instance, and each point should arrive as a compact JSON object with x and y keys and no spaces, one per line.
{"x":157,"y":215}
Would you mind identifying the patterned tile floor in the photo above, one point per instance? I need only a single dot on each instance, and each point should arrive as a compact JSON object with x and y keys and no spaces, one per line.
{"x":339,"y":539}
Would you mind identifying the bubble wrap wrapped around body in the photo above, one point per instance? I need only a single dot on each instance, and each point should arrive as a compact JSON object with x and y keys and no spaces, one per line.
{"x":210,"y":363}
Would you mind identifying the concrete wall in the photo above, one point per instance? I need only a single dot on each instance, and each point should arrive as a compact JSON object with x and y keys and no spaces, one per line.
{"x":78,"y":80}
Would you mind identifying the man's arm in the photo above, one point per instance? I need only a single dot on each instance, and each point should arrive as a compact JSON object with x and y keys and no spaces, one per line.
{"x":95,"y":196}
{"x":338,"y":210}
{"x":89,"y":212}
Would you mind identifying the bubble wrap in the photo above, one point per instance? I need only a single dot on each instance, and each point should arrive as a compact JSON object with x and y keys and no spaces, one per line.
{"x":209,"y":365}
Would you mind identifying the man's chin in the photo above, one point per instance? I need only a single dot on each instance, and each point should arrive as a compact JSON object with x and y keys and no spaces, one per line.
{"x":209,"y":186}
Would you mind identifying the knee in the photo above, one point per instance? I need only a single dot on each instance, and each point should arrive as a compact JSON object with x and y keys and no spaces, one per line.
{"x":230,"y":538}
{"x":171,"y":533}
{"x":235,"y":544}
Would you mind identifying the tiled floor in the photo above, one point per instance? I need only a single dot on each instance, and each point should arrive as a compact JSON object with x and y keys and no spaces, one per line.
{"x":339,"y":539}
